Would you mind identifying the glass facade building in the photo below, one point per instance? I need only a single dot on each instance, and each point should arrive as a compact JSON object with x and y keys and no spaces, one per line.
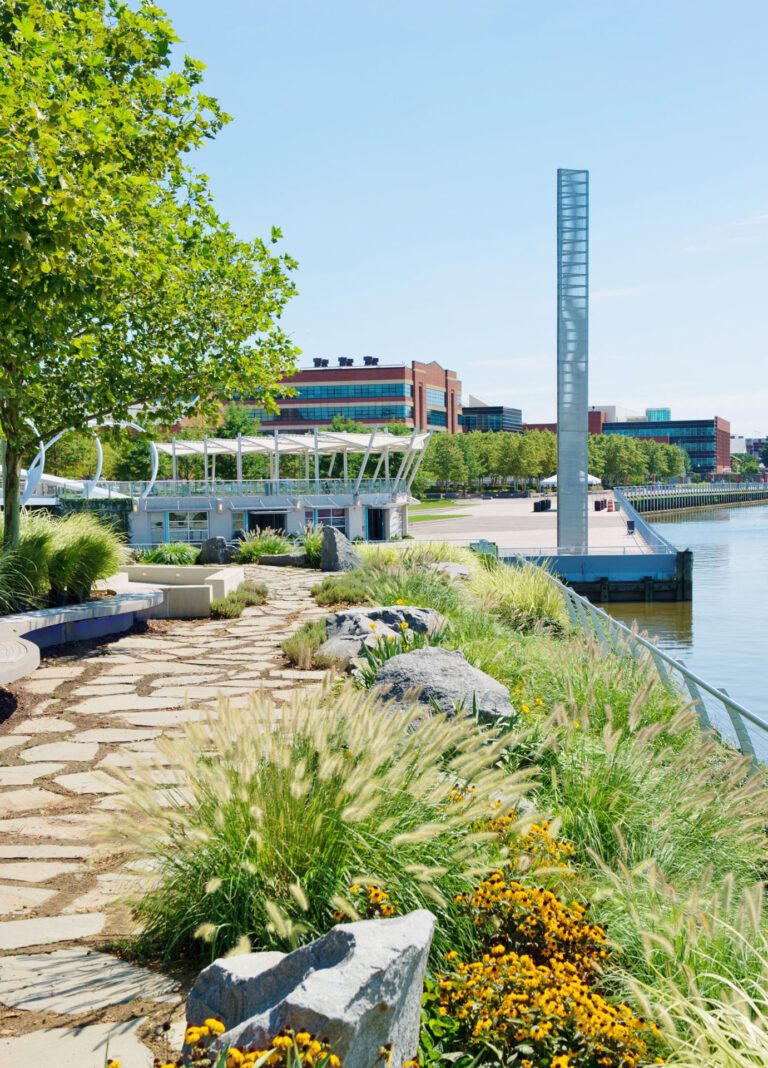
{"x":491,"y":417}
{"x":707,"y":441}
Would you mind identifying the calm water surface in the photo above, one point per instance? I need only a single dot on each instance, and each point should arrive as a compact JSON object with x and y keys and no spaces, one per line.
{"x":723,"y":633}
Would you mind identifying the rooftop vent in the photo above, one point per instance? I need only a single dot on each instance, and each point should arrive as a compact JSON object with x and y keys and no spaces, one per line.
{"x":345,"y":361}
{"x":317,"y":362}
{"x":371,"y":361}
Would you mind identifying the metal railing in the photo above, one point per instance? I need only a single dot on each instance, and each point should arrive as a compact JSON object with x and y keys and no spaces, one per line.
{"x":714,"y":707}
{"x":659,"y":498}
{"x":232,"y":488}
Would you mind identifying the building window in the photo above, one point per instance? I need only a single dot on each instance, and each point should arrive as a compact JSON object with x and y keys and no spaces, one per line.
{"x":435,"y":397}
{"x":350,"y":411}
{"x":327,"y":517}
{"x":189,"y":527}
{"x":436,"y":418}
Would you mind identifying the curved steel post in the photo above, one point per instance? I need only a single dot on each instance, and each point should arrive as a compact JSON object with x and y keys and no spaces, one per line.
{"x":155,"y":458}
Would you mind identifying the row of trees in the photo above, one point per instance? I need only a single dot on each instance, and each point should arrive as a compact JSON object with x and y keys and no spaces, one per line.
{"x":456,"y":460}
{"x":500,"y":458}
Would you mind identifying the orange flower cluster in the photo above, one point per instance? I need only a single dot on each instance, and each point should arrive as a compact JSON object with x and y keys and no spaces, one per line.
{"x":547,"y":1011}
{"x":537,"y":846}
{"x":287,"y":1050}
{"x":534,"y":921}
{"x":371,"y":902}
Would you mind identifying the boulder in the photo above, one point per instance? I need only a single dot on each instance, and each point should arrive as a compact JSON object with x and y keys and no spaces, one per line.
{"x":337,"y":553}
{"x":437,"y":677}
{"x":347,"y":632}
{"x":452,"y":571}
{"x":285,"y":559}
{"x":217,"y":551}
{"x":359,"y":987}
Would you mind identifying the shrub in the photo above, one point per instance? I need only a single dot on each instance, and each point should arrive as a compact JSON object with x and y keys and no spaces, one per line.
{"x":229,"y":607}
{"x":276,"y":815}
{"x":82,"y":550}
{"x":312,"y":539}
{"x":348,"y":587}
{"x":252,"y":593}
{"x":301,"y":647}
{"x":173,"y":553}
{"x":266,"y":542}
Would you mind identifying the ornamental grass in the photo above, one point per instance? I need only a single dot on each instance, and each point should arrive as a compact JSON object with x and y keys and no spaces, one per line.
{"x":278,"y":810}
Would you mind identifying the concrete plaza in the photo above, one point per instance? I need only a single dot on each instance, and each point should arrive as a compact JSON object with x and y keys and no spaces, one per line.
{"x":513,"y":524}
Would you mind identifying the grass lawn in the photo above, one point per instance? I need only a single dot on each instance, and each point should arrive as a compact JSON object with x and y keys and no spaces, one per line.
{"x":429,"y":506}
{"x":427,"y":516}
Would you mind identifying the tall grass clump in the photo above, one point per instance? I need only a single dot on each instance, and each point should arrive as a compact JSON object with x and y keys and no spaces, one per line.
{"x":279,"y":812}
{"x":266,"y":542}
{"x":17,"y":591}
{"x":83,"y":550}
{"x":521,"y":597}
{"x":172,"y":553}
{"x":301,"y":646}
{"x":348,"y":587}
{"x":312,"y":543}
{"x":706,"y":982}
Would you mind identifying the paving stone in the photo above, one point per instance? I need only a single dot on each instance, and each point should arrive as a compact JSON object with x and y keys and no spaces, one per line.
{"x":193,"y":679}
{"x":77,"y":980}
{"x":113,"y":690}
{"x":16,"y":899}
{"x":42,"y":686}
{"x":128,"y":703}
{"x":89,"y":782}
{"x":108,"y":888}
{"x":123,"y":758}
{"x":161,"y":667}
{"x":79,"y":1047}
{"x":24,"y":774}
{"x":36,"y":851}
{"x":60,"y":828}
{"x":62,"y":751}
{"x":45,"y":725}
{"x":44,"y":931}
{"x":11,"y":741}
{"x":34,"y":871}
{"x":111,"y":735}
{"x":59,"y":671}
{"x":204,"y":693}
{"x":168,"y":719}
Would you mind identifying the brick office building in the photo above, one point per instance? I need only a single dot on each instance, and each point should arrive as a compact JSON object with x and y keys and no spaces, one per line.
{"x":422,"y":395}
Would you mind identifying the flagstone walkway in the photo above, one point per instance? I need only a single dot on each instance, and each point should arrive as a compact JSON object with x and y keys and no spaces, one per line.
{"x":78,"y":717}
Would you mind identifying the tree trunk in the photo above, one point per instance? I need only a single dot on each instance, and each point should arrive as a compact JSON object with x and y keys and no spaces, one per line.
{"x":11,"y":502}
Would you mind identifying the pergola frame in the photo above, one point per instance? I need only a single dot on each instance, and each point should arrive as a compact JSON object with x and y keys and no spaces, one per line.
{"x":315,"y":444}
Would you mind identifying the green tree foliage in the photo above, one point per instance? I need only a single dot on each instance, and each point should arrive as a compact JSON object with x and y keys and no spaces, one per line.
{"x":445,"y":461}
{"x":746,"y":465}
{"x":119,"y":284}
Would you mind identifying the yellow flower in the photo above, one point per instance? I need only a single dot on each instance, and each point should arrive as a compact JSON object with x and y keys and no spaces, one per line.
{"x":216,"y":1027}
{"x":403,"y":626}
{"x":303,"y":1038}
{"x":524,"y":708}
{"x":400,"y":601}
{"x":372,"y":626}
{"x":334,"y":1061}
{"x":114,"y":1064}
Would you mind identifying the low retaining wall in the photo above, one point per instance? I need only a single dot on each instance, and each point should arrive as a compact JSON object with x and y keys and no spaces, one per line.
{"x":23,"y":635}
{"x":188,"y":591}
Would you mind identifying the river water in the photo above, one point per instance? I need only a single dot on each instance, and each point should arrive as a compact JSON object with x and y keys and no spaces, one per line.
{"x":723,"y":633}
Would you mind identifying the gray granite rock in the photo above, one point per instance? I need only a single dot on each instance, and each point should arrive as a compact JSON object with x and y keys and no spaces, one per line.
{"x":337,"y":553}
{"x":346,"y":632}
{"x":438,"y":677}
{"x":217,"y":551}
{"x":359,"y":986}
{"x":284,"y":559}
{"x":453,"y":571}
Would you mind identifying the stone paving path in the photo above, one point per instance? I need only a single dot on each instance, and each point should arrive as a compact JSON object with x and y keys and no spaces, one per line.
{"x":58,"y":905}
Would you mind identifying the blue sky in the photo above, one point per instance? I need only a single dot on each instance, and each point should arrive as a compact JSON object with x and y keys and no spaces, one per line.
{"x":408,"y":150}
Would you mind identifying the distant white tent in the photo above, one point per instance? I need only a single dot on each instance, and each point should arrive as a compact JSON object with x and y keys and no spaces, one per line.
{"x":552,"y":481}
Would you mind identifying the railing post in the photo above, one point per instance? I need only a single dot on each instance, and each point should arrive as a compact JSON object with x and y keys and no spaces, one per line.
{"x":742,"y":734}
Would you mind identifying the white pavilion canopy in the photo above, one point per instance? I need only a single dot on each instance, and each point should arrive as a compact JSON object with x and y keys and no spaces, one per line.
{"x":285,"y":443}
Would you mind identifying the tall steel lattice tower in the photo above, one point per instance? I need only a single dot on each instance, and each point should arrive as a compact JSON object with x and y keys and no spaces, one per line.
{"x":572,"y":359}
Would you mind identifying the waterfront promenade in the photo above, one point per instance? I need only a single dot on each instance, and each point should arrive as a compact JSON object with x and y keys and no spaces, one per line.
{"x":513,"y":525}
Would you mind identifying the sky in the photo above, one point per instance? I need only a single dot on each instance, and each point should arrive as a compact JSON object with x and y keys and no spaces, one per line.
{"x":408,"y":150}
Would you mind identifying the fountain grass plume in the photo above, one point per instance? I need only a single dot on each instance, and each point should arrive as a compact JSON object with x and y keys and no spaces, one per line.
{"x":323,"y":792}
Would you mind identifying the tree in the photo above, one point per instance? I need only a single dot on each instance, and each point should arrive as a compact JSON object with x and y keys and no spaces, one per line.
{"x":764,"y":455}
{"x":445,"y":460}
{"x":119,"y":284}
{"x":746,"y":465}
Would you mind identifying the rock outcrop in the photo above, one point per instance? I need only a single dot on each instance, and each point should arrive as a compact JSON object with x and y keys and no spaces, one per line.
{"x":284,"y":559}
{"x":359,"y":987}
{"x":443,"y":679}
{"x":218,"y":551}
{"x":347,"y":632}
{"x":337,"y":553}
